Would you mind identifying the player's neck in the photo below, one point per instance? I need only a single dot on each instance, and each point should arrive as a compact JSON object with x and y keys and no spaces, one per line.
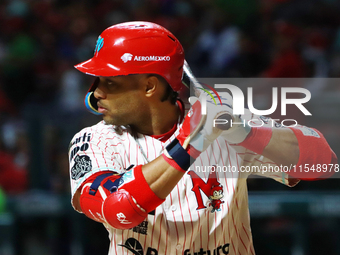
{"x":162,"y":119}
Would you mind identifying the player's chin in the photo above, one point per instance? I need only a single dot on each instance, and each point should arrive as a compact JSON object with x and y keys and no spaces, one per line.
{"x":109,"y":120}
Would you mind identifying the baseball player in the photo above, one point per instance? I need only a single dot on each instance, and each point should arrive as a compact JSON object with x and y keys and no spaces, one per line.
{"x":162,"y":181}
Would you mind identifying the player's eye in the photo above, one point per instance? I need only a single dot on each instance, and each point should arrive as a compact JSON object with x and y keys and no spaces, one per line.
{"x":108,"y":81}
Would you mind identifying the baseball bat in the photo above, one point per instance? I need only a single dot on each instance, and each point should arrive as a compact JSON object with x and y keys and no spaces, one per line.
{"x":189,"y":78}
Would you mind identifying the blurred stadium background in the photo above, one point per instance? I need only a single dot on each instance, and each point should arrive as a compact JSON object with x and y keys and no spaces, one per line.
{"x":41,"y":108}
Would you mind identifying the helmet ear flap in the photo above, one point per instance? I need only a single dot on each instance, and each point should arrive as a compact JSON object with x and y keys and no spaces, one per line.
{"x":90,"y":101}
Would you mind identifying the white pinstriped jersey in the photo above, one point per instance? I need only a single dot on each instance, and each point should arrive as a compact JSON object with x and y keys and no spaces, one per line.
{"x":192,"y":220}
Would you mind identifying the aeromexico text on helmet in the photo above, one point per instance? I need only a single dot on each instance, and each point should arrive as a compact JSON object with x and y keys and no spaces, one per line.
{"x":129,"y":57}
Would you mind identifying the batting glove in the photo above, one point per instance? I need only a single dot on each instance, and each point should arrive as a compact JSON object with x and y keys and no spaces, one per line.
{"x":195,"y":135}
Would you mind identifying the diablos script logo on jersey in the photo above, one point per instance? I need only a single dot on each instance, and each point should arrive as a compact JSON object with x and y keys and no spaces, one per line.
{"x":126,"y":57}
{"x":212,"y":189}
{"x":82,"y":165}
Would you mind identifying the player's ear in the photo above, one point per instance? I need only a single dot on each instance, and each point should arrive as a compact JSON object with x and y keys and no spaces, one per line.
{"x":151,"y":85}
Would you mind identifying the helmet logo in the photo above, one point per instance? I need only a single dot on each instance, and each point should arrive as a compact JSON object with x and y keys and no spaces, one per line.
{"x":126,"y":57}
{"x":99,"y":45}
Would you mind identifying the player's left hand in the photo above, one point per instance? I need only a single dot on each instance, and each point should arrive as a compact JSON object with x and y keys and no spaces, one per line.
{"x":235,"y":129}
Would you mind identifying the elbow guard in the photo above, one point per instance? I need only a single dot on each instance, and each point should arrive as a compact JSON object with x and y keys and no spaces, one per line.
{"x":123,"y":201}
{"x":316,"y":159}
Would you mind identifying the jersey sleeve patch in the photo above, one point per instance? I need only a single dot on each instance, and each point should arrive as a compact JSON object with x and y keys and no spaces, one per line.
{"x":82,"y":165}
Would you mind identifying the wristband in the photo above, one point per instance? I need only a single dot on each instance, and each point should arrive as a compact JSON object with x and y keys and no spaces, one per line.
{"x":257,"y":139}
{"x":177,"y":156}
{"x":314,"y":152}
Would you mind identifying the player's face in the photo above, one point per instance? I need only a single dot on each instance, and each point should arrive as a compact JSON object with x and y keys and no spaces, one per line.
{"x":122,"y":100}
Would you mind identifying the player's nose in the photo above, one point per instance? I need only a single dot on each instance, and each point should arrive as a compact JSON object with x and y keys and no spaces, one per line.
{"x":99,"y":91}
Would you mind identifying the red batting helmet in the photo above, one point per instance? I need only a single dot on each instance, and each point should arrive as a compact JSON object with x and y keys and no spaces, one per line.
{"x":135,"y":48}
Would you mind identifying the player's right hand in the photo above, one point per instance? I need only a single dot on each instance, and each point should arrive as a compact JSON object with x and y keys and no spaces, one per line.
{"x":205,"y":134}
{"x":195,"y":135}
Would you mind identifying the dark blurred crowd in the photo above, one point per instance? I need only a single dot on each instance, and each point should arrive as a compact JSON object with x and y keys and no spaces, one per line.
{"x":41,"y":94}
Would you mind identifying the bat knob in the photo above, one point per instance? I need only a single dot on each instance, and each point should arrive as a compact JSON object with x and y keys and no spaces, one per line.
{"x":223,"y":121}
